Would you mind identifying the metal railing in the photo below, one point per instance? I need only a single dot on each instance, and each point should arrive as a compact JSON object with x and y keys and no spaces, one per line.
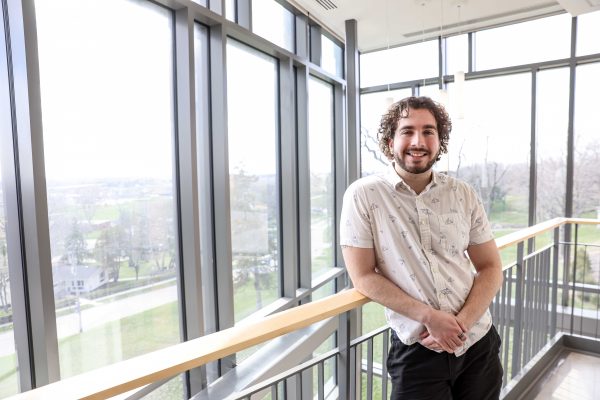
{"x":527,"y":312}
{"x":542,"y":293}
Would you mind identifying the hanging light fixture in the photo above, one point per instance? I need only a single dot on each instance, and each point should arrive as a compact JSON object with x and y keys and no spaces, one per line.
{"x":443,"y":93}
{"x":459,"y":76}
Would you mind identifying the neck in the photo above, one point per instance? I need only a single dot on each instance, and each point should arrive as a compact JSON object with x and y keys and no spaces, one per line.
{"x":417,"y":182}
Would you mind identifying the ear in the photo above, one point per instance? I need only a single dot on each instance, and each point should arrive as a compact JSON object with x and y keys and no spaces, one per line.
{"x":391,"y":145}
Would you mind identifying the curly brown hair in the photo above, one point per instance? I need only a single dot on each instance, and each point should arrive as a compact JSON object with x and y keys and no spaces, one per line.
{"x":400,"y":109}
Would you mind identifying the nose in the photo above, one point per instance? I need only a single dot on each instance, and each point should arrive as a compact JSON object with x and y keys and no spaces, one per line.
{"x":418,"y":139}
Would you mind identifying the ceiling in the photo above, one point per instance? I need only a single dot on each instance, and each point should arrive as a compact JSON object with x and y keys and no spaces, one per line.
{"x":388,"y":23}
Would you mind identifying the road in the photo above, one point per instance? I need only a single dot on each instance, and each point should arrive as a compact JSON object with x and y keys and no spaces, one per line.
{"x":104,"y":310}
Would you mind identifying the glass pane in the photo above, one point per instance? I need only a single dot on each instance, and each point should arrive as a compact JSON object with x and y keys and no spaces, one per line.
{"x":253,"y":106}
{"x":9,"y":381}
{"x":389,"y":66}
{"x":332,"y":57}
{"x":552,"y":123}
{"x":230,"y":10}
{"x":107,"y":100}
{"x":528,"y":42}
{"x":491,"y":150}
{"x":274,"y":22}
{"x":586,"y":191}
{"x":457,"y":54}
{"x":372,"y":107}
{"x":588,"y":32}
{"x":320,"y":149}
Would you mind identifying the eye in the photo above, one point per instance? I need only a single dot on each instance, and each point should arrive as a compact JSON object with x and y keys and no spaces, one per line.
{"x":430,"y":132}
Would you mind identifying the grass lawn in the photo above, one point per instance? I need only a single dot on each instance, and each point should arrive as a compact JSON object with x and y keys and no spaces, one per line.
{"x":119,"y":340}
{"x":8,"y":376}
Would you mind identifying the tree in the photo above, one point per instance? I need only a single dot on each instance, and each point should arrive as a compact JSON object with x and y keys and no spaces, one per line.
{"x":108,"y":251}
{"x":75,"y":246}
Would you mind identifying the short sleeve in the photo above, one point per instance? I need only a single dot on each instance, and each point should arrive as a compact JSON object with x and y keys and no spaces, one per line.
{"x":355,"y":221}
{"x":481,"y":230}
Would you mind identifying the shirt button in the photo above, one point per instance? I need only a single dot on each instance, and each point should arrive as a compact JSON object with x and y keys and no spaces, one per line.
{"x":423,"y":222}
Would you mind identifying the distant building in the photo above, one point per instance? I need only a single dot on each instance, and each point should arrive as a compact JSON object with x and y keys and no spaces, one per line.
{"x":70,"y":279}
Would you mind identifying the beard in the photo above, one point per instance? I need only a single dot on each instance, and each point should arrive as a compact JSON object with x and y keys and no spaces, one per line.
{"x":415,"y":169}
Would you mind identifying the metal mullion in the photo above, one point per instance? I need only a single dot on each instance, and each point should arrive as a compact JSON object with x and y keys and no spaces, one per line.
{"x":340,"y":178}
{"x":221,"y":191}
{"x":289,"y":186}
{"x":37,"y":325}
{"x":13,"y":220}
{"x":302,"y":36}
{"x":303,"y":177}
{"x":532,"y":159}
{"x":352,"y":146}
{"x":189,"y":280}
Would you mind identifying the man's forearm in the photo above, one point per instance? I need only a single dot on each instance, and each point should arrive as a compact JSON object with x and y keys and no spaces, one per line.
{"x":485,"y":286}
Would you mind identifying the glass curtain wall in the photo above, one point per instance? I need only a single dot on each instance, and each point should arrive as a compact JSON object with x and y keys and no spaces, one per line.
{"x":552,"y":124}
{"x":273,"y":21}
{"x":107,"y":101}
{"x":586,"y":190}
{"x":320,"y":149}
{"x":9,"y":383}
{"x":253,"y":124}
{"x":490,"y":145}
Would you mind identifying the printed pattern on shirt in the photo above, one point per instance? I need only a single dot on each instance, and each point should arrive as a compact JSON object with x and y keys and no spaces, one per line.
{"x":419,"y":241}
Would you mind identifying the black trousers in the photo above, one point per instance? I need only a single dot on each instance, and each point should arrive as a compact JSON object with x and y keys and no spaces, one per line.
{"x":420,"y":373}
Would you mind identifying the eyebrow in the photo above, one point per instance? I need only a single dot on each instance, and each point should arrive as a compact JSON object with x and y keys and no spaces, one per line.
{"x":413,"y":127}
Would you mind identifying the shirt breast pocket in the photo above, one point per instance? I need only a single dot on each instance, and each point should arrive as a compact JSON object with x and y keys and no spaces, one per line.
{"x":454,"y":234}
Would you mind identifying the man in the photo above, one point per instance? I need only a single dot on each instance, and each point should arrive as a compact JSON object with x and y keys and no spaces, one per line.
{"x":404,"y":235}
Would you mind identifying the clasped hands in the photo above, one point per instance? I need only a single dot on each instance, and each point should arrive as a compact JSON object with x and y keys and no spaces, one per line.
{"x":443,"y":332}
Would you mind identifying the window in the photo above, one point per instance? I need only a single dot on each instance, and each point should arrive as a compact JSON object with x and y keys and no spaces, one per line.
{"x":490,"y":145}
{"x":586,"y":190}
{"x":274,"y":22}
{"x":523,"y":43}
{"x":372,"y":108}
{"x":332,"y":57}
{"x":253,"y":113}
{"x":588,"y":30}
{"x":552,"y":120}
{"x":9,"y":379}
{"x":457,"y":54}
{"x":9,"y":383}
{"x":389,"y":66}
{"x":320,"y":145}
{"x":230,"y":10}
{"x":107,"y":101}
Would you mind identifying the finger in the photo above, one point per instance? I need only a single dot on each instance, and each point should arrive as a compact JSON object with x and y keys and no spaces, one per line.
{"x":462,"y":336}
{"x":462,"y":326}
{"x":424,"y":334}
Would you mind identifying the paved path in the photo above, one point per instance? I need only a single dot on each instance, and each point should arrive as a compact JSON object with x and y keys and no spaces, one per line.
{"x":104,"y":310}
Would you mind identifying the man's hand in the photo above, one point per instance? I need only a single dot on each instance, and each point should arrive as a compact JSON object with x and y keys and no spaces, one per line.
{"x":443,"y":332}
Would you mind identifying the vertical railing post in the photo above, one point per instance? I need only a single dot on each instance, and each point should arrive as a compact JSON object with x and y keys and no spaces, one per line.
{"x":516,"y":356}
{"x":344,"y":362}
{"x":574,"y":278}
{"x":554,"y":302}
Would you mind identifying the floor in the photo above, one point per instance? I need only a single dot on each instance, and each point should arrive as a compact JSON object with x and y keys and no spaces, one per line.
{"x":575,"y":377}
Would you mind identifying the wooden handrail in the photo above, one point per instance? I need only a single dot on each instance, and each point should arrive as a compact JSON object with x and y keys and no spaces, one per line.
{"x":126,"y":375}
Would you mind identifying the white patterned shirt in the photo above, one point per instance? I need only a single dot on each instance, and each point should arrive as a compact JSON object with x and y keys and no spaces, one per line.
{"x":419,"y":242}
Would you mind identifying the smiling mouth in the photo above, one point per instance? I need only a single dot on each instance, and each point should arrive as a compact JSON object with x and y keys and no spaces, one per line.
{"x":417,"y":153}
